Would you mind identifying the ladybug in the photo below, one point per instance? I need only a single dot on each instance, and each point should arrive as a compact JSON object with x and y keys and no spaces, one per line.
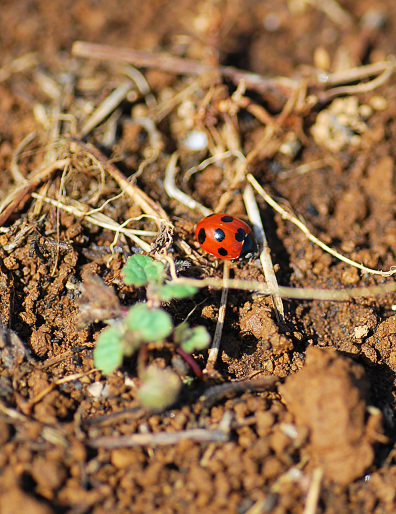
{"x":225,"y":237}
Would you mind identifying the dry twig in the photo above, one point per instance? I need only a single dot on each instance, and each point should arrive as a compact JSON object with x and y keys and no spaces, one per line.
{"x":280,"y":86}
{"x":174,"y":192}
{"x":200,"y":435}
{"x":265,"y":251}
{"x":311,"y":503}
{"x":298,"y":293}
{"x":21,"y":193}
{"x":147,"y":205}
{"x":286,"y":215}
{"x":214,"y":350}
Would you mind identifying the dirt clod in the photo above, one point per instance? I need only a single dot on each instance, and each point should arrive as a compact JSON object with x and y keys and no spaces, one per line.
{"x":329,"y":397}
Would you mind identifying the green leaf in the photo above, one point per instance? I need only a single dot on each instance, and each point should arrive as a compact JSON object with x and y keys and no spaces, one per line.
{"x":108,"y":354}
{"x":191,"y":339}
{"x":141,"y":269}
{"x":173,"y":290}
{"x":160,"y":388}
{"x":151,"y":324}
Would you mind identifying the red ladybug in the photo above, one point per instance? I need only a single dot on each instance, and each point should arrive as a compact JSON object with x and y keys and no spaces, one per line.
{"x":225,"y":237}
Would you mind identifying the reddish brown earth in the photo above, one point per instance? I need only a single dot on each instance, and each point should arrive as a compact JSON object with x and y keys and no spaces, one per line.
{"x":321,"y":439}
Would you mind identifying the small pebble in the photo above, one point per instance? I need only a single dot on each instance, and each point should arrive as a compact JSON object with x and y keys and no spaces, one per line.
{"x":196,"y":141}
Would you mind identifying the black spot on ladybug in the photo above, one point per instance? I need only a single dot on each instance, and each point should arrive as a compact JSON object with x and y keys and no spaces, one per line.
{"x":240,"y":235}
{"x":249,"y":246}
{"x":201,"y":236}
{"x":219,"y":235}
{"x":222,"y":251}
{"x":227,"y":219}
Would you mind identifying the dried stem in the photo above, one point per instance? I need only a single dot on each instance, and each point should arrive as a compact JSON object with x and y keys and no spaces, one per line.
{"x":298,"y":293}
{"x":286,"y":215}
{"x":214,"y":351}
{"x":311,"y":503}
{"x":265,"y":251}
{"x":281,"y":86}
{"x":200,"y":435}
{"x":174,"y":192}
{"x":147,"y":205}
{"x":20,"y":194}
{"x":218,"y":392}
{"x":105,"y":108}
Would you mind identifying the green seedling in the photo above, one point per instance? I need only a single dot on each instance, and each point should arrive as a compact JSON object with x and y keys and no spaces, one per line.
{"x":142,"y":269}
{"x":147,"y":323}
{"x":191,"y":339}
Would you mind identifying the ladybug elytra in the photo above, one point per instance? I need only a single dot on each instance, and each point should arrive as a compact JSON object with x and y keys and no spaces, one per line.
{"x":225,"y":237}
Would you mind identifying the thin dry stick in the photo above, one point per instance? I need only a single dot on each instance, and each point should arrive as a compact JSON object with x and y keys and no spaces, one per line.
{"x":265,"y":254}
{"x":200,"y":435}
{"x":306,"y":293}
{"x":60,"y":381}
{"x":218,"y":392}
{"x":14,"y":167}
{"x":174,"y":192}
{"x":101,"y":220}
{"x":19,"y":64}
{"x":141,"y":85}
{"x":305,"y":168}
{"x":105,"y":108}
{"x":147,"y":205}
{"x":354,"y":74}
{"x":280,"y":85}
{"x":211,"y":160}
{"x":18,"y":195}
{"x":214,"y":351}
{"x":334,"y":11}
{"x":311,"y":503}
{"x":362,"y":87}
{"x":286,"y":215}
{"x":159,"y":112}
{"x":13,"y":414}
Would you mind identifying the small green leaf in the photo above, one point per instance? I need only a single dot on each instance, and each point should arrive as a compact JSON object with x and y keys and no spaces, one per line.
{"x":108,"y":354}
{"x":178,"y":291}
{"x":141,"y":269}
{"x":151,"y":324}
{"x":160,"y":388}
{"x":191,"y":339}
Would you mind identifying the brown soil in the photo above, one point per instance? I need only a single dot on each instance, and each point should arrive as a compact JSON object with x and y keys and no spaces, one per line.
{"x":322,"y":437}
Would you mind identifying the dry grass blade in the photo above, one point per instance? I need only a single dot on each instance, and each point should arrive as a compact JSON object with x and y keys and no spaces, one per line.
{"x":334,"y":11}
{"x":101,"y":220}
{"x":215,"y":348}
{"x":51,"y":387}
{"x":10,"y":204}
{"x":265,"y":252}
{"x":147,"y":205}
{"x":362,"y":87}
{"x":174,"y":192}
{"x":200,"y":435}
{"x":14,"y":167}
{"x":105,"y":108}
{"x":355,"y":74}
{"x":18,"y":65}
{"x":313,"y":495}
{"x":281,"y":86}
{"x":306,"y":293}
{"x":286,"y":215}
